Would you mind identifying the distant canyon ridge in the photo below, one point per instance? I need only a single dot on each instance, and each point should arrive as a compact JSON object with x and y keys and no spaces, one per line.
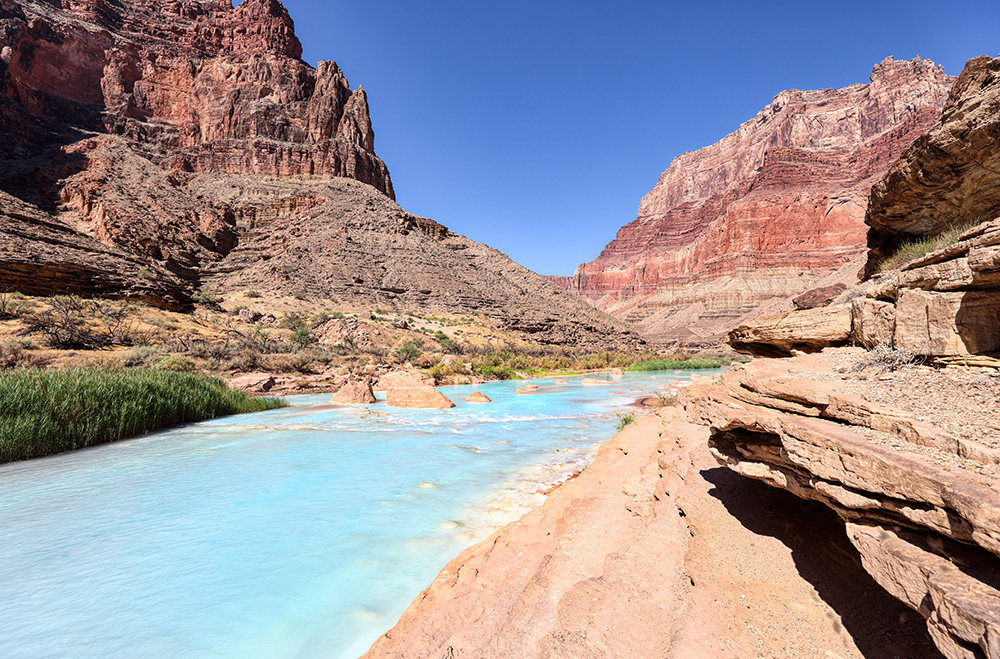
{"x":773,"y":210}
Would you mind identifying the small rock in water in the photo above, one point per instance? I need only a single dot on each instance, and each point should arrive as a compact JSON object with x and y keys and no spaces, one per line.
{"x":560,"y":381}
{"x":478,"y":397}
{"x":451,"y":524}
{"x":531,"y":386}
{"x":501,"y":441}
{"x":427,"y":485}
{"x":521,"y":392}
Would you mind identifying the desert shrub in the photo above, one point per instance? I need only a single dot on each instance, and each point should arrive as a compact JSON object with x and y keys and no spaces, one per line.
{"x":409,"y":351}
{"x":664,"y":399}
{"x":47,"y":412}
{"x":176,"y":363}
{"x":206,"y":298}
{"x":302,"y":337}
{"x":251,"y":294}
{"x":501,"y":372}
{"x":300,"y":295}
{"x":293,"y":321}
{"x":16,"y":353}
{"x":624,"y":419}
{"x":884,"y":358}
{"x":12,"y":305}
{"x":291,"y":363}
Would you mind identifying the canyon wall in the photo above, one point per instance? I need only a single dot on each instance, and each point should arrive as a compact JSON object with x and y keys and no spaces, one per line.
{"x":152,"y":149}
{"x":769,"y":212}
{"x":908,"y":455}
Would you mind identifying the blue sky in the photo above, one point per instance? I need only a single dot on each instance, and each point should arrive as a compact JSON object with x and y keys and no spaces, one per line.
{"x":536,"y":127}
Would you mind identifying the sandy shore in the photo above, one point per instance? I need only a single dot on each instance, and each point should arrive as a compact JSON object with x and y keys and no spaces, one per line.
{"x":655,"y":551}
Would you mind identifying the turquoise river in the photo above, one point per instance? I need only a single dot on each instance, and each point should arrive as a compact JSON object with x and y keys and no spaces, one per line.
{"x":302,"y":532}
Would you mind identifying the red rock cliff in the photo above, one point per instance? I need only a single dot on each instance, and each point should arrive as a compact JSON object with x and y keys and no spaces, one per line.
{"x":198,"y":85}
{"x":770,"y":211}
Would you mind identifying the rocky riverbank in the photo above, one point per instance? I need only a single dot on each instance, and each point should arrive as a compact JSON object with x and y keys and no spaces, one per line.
{"x":656,"y":551}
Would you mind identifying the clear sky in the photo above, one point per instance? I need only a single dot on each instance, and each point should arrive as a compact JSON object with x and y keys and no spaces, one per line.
{"x":537,"y":126}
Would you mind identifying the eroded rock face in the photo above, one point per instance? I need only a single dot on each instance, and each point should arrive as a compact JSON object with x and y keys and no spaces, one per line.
{"x":920,"y":506}
{"x":770,"y":211}
{"x":656,"y":552}
{"x":202,"y":86}
{"x":949,"y":176}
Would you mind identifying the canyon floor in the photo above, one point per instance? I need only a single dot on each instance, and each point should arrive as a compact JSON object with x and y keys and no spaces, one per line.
{"x":658,"y":551}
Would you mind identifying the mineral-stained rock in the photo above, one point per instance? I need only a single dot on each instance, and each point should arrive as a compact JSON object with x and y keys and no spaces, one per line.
{"x":478,"y":397}
{"x":781,"y":333}
{"x":819,"y":297}
{"x":356,"y":392}
{"x":770,"y":211}
{"x":403,"y":389}
{"x":201,"y":85}
{"x":949,"y":176}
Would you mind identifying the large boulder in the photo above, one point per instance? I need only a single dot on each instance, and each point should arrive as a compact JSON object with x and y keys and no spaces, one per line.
{"x":779,"y":334}
{"x":404,"y":389}
{"x":356,"y":392}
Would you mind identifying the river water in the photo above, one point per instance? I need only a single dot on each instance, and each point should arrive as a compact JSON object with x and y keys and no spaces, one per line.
{"x":295,"y":533}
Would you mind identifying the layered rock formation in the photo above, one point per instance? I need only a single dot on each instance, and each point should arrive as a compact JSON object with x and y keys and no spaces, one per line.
{"x":949,"y":176}
{"x":770,"y":211}
{"x":920,"y":500}
{"x":908,"y":456}
{"x":200,"y":85}
{"x":191,"y":141}
{"x":652,"y":552}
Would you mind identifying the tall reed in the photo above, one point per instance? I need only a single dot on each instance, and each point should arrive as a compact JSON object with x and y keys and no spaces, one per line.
{"x":43,"y":412}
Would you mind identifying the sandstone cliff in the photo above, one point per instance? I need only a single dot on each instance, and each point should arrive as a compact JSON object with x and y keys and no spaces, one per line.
{"x":189,"y":145}
{"x":770,"y":211}
{"x":906,"y":454}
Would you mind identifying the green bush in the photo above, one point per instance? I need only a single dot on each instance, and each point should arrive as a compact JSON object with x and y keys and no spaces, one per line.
{"x":302,"y":337}
{"x":409,"y":351}
{"x":251,"y":293}
{"x":48,"y":412}
{"x":624,"y":419}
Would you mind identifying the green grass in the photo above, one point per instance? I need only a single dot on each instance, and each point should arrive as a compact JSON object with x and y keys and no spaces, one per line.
{"x":674,"y":365}
{"x":922,"y":246}
{"x":47,"y":412}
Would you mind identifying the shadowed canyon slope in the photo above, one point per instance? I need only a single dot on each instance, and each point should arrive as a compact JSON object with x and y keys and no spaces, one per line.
{"x":769,"y":212}
{"x":189,"y":146}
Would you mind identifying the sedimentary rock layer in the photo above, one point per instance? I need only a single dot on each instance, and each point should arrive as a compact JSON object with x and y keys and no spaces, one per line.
{"x":950,"y":176}
{"x":191,"y":139}
{"x":652,"y":552}
{"x":770,"y":211}
{"x":922,"y":503}
{"x":200,"y":85}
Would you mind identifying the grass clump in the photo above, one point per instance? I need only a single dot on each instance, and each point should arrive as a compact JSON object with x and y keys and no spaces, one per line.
{"x":676,"y":364}
{"x":47,"y":412}
{"x":915,"y":249}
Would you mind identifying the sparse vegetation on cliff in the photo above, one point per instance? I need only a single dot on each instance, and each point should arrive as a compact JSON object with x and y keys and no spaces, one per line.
{"x":690,"y":363}
{"x":915,"y":249}
{"x":48,"y":412}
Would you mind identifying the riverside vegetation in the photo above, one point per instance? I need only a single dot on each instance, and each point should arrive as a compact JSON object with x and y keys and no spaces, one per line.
{"x":43,"y":412}
{"x":222,"y":337}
